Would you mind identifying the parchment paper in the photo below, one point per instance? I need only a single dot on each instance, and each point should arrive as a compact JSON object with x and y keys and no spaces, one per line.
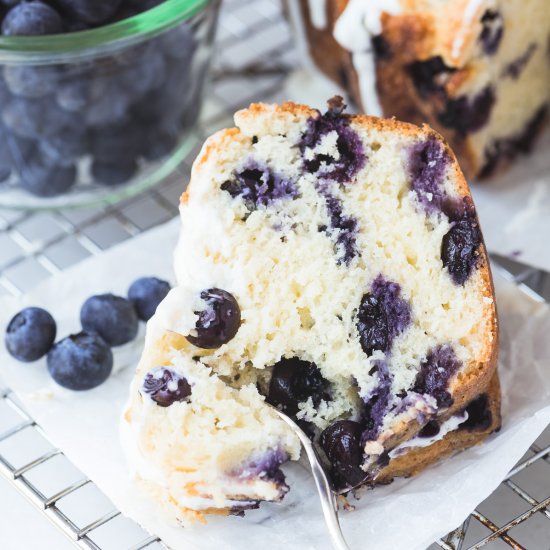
{"x":514,"y":208}
{"x":406,"y":514}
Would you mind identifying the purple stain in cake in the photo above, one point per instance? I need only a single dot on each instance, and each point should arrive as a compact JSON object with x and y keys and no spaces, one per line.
{"x":506,"y":149}
{"x":430,"y":76}
{"x":427,"y":163}
{"x":259,"y":186}
{"x":376,"y":406}
{"x":342,"y":228}
{"x":491,"y":32}
{"x":165,"y":386}
{"x":468,"y":114}
{"x":294,"y":381}
{"x":480,"y":416}
{"x":265,"y":467}
{"x":341,"y":443}
{"x":515,"y":68}
{"x":351,"y":154}
{"x":383,"y":315}
{"x":439,"y":366}
{"x":460,"y":245}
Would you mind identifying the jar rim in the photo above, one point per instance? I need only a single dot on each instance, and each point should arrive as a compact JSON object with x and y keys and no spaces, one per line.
{"x":56,"y":47}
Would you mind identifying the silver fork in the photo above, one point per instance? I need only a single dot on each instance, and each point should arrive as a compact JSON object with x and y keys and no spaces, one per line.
{"x":327,"y":496}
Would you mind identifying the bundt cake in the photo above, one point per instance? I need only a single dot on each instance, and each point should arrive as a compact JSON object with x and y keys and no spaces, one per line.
{"x":478,"y":71}
{"x":332,"y":266}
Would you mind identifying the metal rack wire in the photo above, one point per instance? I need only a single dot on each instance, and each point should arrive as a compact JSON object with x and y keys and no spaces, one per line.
{"x":255,"y":52}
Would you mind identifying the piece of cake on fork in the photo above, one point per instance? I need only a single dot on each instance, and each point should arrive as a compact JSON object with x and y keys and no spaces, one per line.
{"x":333,"y":266}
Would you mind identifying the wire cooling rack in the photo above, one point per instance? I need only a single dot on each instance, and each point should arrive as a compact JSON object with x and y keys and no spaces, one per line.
{"x":255,"y":53}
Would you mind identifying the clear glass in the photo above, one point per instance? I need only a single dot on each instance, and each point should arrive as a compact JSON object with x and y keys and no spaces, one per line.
{"x":99,"y":115}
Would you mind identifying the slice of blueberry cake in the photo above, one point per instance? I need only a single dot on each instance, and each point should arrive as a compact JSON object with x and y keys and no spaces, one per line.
{"x":332,"y":266}
{"x":476,"y":70}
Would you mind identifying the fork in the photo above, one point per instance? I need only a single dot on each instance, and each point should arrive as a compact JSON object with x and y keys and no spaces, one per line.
{"x":327,"y":496}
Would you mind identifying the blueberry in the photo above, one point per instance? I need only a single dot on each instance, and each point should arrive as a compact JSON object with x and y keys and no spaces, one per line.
{"x":294,"y":381}
{"x":31,"y":81}
{"x":66,"y":146}
{"x":112,"y":317}
{"x":439,"y":366}
{"x":218,"y":322}
{"x":117,"y":142}
{"x":468,"y":114}
{"x":109,"y":108}
{"x":492,"y":31}
{"x":383,"y":315}
{"x":426,"y":163}
{"x":179,"y":44}
{"x":460,"y":245}
{"x":146,"y":294}
{"x":341,"y":442}
{"x":159,"y":143}
{"x":112,"y":173}
{"x":30,"y":334}
{"x":144,"y":73}
{"x":24,"y":117}
{"x":44,"y":179}
{"x":480,"y":416}
{"x":32,"y":19}
{"x":5,"y":157}
{"x":258,"y":185}
{"x":73,"y":94}
{"x":352,"y":156}
{"x":429,"y":430}
{"x":376,"y":406}
{"x":429,"y":76}
{"x":165,"y":386}
{"x":90,"y":11}
{"x":81,"y":361}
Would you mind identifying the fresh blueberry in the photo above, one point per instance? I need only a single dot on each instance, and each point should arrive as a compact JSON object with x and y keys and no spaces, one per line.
{"x":179,"y":44}
{"x":383,"y":315}
{"x":5,"y":157}
{"x":112,"y":173}
{"x":218,"y":322}
{"x":117,"y":142}
{"x":144,"y":73}
{"x":44,"y":179}
{"x":146,"y":294}
{"x":31,"y":81}
{"x":109,"y":107}
{"x":439,"y":366}
{"x":341,"y":443}
{"x":32,"y":19}
{"x":30,"y":334}
{"x":66,"y":146}
{"x":159,"y":143}
{"x":24,"y":117}
{"x":90,"y":11}
{"x":81,"y":361}
{"x":258,"y":185}
{"x":112,"y":317}
{"x":73,"y":94}
{"x":165,"y":386}
{"x":294,"y":381}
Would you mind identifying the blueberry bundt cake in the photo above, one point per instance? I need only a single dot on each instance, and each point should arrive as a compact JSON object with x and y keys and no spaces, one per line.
{"x":478,"y":71}
{"x":332,"y":266}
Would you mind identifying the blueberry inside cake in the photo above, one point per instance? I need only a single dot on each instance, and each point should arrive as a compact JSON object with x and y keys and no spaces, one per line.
{"x":333,"y":267}
{"x":478,"y":71}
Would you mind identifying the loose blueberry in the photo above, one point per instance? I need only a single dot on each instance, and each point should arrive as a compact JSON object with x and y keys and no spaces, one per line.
{"x":259,"y":186}
{"x":492,"y":31}
{"x":112,"y":173}
{"x":80,"y":362}
{"x":24,"y":117}
{"x":30,"y":81}
{"x":146,"y":294}
{"x":90,"y":11}
{"x":32,"y":19}
{"x":5,"y":157}
{"x":218,"y":322}
{"x":350,"y":149}
{"x":468,"y":114}
{"x":427,"y":162}
{"x":165,"y":386}
{"x":480,"y":416}
{"x":159,"y":143}
{"x":66,"y":146}
{"x":112,"y":317}
{"x":440,"y":365}
{"x":341,"y":443}
{"x":460,"y":245}
{"x":383,"y":315}
{"x":44,"y":179}
{"x":30,"y":334}
{"x":294,"y":381}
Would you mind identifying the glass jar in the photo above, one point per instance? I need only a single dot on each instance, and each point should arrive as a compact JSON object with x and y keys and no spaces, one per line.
{"x":99,"y":115}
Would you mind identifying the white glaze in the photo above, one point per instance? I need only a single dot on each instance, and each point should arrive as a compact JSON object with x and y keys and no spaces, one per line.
{"x":470,"y":13}
{"x":318,"y":13}
{"x":448,"y":426}
{"x":354,"y":30}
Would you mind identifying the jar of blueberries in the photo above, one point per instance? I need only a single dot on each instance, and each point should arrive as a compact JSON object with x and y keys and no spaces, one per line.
{"x":98,"y":98}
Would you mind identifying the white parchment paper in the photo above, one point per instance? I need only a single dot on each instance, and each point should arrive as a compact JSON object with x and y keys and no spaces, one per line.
{"x":406,"y":514}
{"x":514,"y":208}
